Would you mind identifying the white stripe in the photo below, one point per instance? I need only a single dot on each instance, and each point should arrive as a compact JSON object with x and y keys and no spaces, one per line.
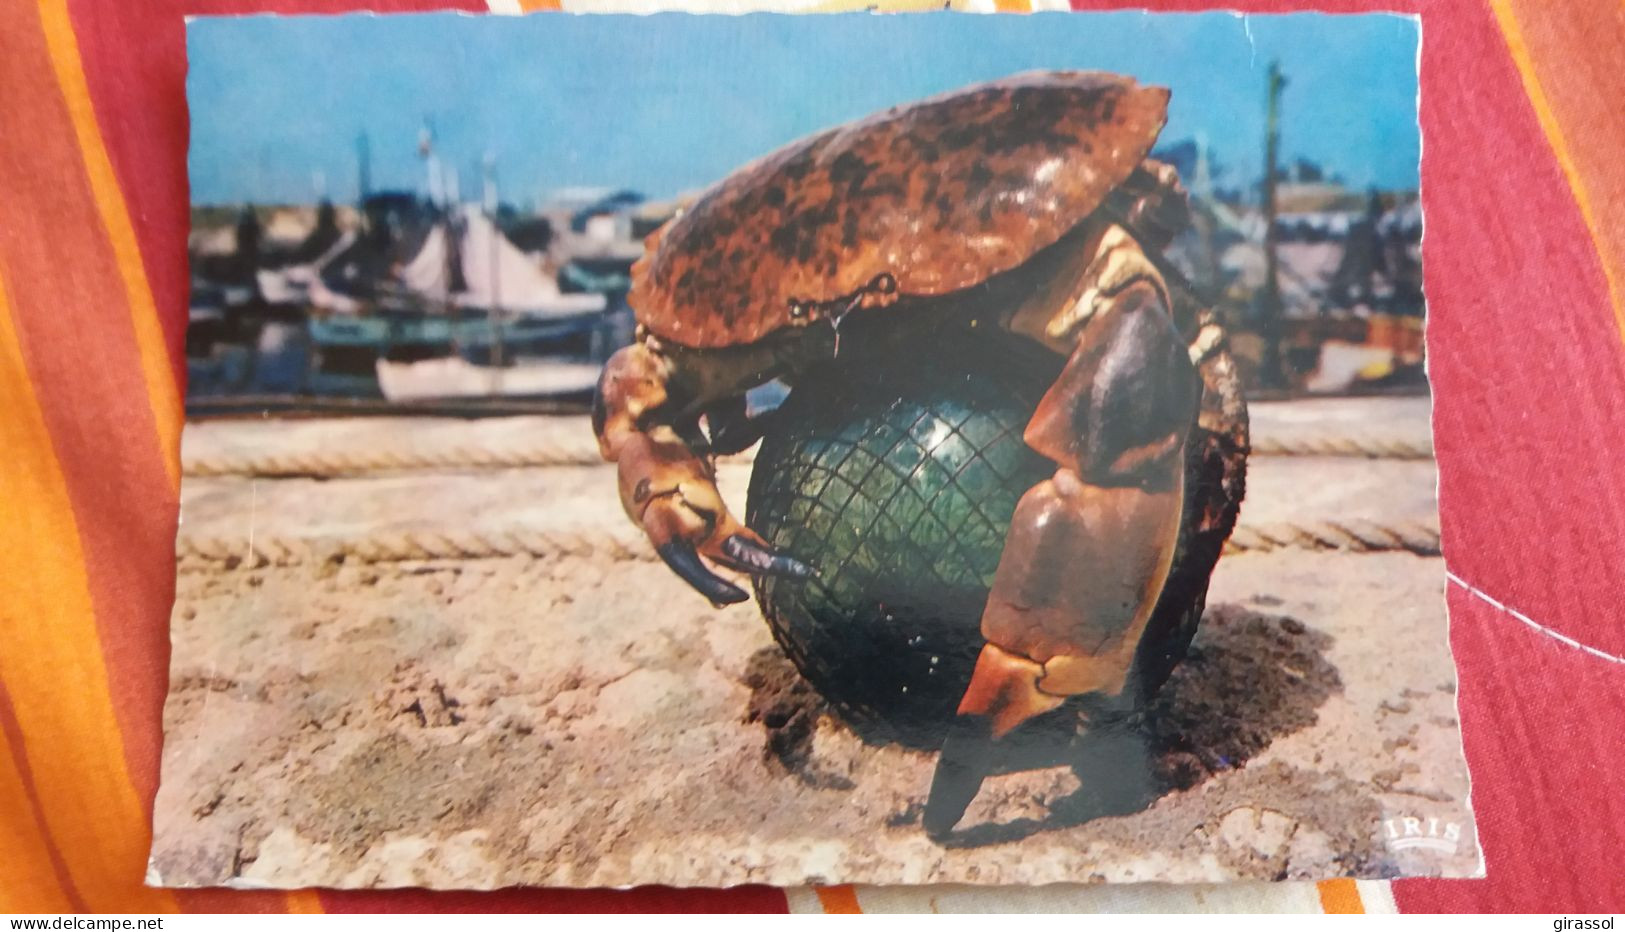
{"x":1246,"y":897}
{"x":1377,"y":896}
{"x":803,"y":900}
{"x":1549,"y":632}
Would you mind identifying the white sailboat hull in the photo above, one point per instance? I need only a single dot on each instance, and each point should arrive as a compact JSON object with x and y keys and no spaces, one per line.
{"x":455,"y":377}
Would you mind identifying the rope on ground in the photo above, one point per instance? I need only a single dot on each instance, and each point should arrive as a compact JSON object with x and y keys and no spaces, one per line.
{"x":1390,"y":448}
{"x":360,"y":461}
{"x":1355,"y":536}
{"x":196,"y":553}
{"x":335,"y":463}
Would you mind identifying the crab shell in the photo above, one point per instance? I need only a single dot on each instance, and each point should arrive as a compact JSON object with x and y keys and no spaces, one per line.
{"x":938,"y":195}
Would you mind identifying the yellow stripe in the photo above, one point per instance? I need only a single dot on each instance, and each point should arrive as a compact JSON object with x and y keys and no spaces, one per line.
{"x":156,"y":365}
{"x":27,"y":882}
{"x":838,"y":899}
{"x":1340,"y":896}
{"x":1554,"y":134}
{"x":51,"y":660}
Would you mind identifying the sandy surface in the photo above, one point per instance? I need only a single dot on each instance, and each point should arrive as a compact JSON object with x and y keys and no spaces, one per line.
{"x":583,"y":498}
{"x":590,"y":722}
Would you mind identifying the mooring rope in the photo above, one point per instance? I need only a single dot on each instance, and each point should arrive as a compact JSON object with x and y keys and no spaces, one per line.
{"x":1357,"y":536}
{"x":1362,"y":446}
{"x":326,"y":464}
{"x":201,"y":553}
{"x":360,"y":461}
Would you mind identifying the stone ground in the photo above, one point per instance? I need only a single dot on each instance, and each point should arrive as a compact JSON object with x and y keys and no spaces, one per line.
{"x":589,"y":722}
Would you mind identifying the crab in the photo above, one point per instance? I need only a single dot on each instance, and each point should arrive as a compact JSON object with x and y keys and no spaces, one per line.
{"x":1027,"y":204}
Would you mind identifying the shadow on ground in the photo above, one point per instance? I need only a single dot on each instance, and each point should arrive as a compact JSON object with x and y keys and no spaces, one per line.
{"x":1248,"y":679}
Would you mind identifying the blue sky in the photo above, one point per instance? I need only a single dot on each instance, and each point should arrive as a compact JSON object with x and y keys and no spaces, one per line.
{"x":672,"y":102}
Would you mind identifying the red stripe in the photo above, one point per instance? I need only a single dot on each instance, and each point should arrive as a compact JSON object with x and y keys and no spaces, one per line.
{"x":134,"y":58}
{"x":743,"y":899}
{"x":1543,"y":740}
{"x":1526,"y":362}
{"x":74,"y":326}
{"x":17,"y":744}
{"x":1563,"y":56}
{"x":1528,"y":374}
{"x":1254,"y":6}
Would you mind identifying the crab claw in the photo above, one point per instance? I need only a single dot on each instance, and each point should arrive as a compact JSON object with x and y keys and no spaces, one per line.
{"x":668,"y":480}
{"x":967,"y":756}
{"x":1119,"y":264}
{"x":685,"y":562}
{"x":755,"y":556}
{"x":671,"y":492}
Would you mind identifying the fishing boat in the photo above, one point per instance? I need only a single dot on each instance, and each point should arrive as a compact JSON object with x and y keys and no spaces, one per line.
{"x":453,"y":377}
{"x":469,"y":315}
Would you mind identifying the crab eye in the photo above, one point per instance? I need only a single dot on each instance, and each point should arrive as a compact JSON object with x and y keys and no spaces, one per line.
{"x":798,"y":310}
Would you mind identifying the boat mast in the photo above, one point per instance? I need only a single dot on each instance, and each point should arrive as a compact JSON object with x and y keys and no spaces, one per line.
{"x":492,"y":204}
{"x":442,"y":201}
{"x":1269,"y":303}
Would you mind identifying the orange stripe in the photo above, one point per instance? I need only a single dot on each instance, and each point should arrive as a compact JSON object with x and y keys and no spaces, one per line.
{"x":1012,"y":6}
{"x":156,"y":366}
{"x":33,"y":876}
{"x":842,"y":898}
{"x":80,"y":323}
{"x":1340,"y":896}
{"x":51,"y":659}
{"x":305,"y":902}
{"x":1594,"y":122}
{"x":532,"y":6}
{"x":221,"y":900}
{"x":101,"y":524}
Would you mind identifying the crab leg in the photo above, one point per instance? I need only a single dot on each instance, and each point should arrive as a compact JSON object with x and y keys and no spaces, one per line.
{"x":643,"y":416}
{"x":1089,"y":549}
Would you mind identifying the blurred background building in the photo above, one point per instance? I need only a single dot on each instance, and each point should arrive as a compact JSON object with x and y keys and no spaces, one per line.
{"x":412,"y":295}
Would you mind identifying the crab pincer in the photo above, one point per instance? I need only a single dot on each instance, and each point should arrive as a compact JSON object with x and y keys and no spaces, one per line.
{"x":673,"y":496}
{"x":669,"y":488}
{"x":750,"y":554}
{"x":685,"y":561}
{"x":742,"y":551}
{"x":745,"y":554}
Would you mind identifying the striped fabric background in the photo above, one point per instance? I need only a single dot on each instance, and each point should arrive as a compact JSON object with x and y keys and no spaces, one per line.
{"x":1525,"y":252}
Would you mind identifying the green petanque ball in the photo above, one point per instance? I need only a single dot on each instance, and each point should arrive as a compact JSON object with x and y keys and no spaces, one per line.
{"x":896,"y":478}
